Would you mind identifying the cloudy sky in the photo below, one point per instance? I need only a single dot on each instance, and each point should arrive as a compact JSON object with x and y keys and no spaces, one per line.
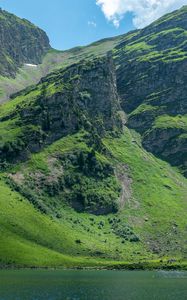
{"x":78,"y":22}
{"x":143,"y":11}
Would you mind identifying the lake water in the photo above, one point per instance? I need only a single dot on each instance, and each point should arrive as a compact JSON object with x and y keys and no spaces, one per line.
{"x":91,"y":285}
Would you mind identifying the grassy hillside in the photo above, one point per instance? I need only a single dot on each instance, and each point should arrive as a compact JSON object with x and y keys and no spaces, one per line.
{"x":77,"y":187}
{"x":53,"y":60}
{"x":149,"y":227}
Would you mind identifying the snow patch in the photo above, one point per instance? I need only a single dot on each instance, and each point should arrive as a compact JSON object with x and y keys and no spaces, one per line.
{"x":31,"y":65}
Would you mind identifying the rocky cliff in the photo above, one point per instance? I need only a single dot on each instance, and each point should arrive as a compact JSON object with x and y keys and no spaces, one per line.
{"x":21,"y":42}
{"x":152,"y":82}
{"x":83,"y":96}
{"x":80,"y":98}
{"x":150,"y":66}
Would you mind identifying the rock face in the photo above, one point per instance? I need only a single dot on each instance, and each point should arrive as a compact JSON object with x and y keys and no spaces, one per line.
{"x":79,"y":99}
{"x":151,"y":71}
{"x":83,"y":96}
{"x":168,"y":143}
{"x":86,"y":96}
{"x":152,"y":82}
{"x":21,"y":42}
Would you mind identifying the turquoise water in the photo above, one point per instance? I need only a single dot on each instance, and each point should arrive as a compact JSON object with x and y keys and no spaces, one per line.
{"x":88,"y":285}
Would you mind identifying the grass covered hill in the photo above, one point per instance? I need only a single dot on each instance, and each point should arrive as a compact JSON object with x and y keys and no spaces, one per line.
{"x":50,"y":216}
{"x":78,"y":187}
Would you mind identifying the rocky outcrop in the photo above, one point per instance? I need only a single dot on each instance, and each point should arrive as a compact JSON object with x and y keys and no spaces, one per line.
{"x":81,"y":99}
{"x":151,"y":72}
{"x":21,"y":42}
{"x":168,"y":143}
{"x":152,"y":81}
{"x":83,"y":96}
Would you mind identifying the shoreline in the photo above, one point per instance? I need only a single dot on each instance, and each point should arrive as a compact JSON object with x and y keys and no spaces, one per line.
{"x":125,"y":267}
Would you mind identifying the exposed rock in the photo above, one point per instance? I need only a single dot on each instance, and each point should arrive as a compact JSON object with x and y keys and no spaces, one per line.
{"x":169,"y":144}
{"x":122,"y":173}
{"x":152,"y":81}
{"x":21,"y":42}
{"x":83,"y":96}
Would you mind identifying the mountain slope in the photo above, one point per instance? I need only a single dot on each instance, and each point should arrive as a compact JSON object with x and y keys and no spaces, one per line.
{"x":108,"y":199}
{"x":142,"y":57}
{"x":81,"y":96}
{"x":152,"y":80}
{"x":28,"y":75}
{"x":21,"y":42}
{"x":78,"y":187}
{"x":149,"y":226}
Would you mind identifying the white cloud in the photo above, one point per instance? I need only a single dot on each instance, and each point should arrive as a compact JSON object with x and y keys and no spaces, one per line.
{"x":144,"y":11}
{"x":92,"y":23}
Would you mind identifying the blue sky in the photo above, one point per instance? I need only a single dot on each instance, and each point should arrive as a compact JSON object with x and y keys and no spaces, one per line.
{"x":70,"y":23}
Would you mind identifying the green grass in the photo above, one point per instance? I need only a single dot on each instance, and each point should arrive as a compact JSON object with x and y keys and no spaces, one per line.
{"x":25,"y":99}
{"x":98,"y":189}
{"x":29,"y":238}
{"x":148,"y":47}
{"x":137,"y":47}
{"x":54,"y":60}
{"x":165,"y":121}
{"x":149,"y":228}
{"x":8,"y":131}
{"x":156,"y":212}
{"x":144,"y":108}
{"x":158,"y":191}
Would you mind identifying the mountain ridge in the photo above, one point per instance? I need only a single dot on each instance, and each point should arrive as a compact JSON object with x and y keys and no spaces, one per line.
{"x":86,"y":155}
{"x":21,"y":42}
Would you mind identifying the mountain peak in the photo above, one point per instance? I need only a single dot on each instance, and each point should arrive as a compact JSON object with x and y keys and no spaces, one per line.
{"x":177,"y":18}
{"x":21,"y":42}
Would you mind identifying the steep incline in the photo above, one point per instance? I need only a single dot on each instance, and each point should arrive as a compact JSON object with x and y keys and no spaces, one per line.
{"x":28,"y":75}
{"x":21,"y":42}
{"x":39,"y":227}
{"x":82,"y":96}
{"x":77,"y":188}
{"x":152,"y":83}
